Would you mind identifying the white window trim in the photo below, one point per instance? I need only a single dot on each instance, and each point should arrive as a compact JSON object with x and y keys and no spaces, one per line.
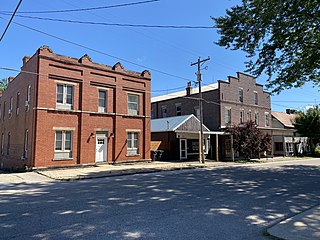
{"x":102,"y":109}
{"x":256,"y":118}
{"x":10,"y":107}
{"x":18,"y":103}
{"x":27,"y":103}
{"x":133,"y":111}
{"x":63,"y":143}
{"x":243,"y":116}
{"x":64,"y":104}
{"x":133,"y":149}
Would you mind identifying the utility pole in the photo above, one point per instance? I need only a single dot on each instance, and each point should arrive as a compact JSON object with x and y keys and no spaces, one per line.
{"x":201,"y":154}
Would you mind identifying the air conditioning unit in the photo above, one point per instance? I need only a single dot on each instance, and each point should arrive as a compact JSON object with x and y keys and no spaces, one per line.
{"x":27,"y":103}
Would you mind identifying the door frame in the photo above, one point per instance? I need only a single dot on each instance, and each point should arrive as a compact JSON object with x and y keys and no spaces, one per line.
{"x":105,"y":150}
{"x":181,"y":150}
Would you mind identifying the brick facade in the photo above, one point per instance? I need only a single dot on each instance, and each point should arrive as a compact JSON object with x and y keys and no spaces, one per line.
{"x":217,"y":98}
{"x":79,"y":82}
{"x":224,"y":100}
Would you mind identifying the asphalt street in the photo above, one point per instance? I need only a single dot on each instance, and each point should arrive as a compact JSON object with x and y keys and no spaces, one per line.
{"x":221,"y":203}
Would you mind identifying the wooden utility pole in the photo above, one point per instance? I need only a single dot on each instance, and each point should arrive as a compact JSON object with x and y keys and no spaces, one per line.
{"x":201,"y":153}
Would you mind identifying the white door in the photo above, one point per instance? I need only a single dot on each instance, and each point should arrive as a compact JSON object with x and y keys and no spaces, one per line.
{"x":101,"y":148}
{"x":183,"y":149}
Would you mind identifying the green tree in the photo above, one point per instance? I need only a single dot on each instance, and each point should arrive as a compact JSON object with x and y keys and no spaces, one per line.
{"x":3,"y":84}
{"x":281,"y":38}
{"x":307,"y":124}
{"x":250,"y":141}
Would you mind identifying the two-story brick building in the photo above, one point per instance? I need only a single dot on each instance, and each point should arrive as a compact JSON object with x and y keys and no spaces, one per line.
{"x":231,"y":102}
{"x":66,"y":111}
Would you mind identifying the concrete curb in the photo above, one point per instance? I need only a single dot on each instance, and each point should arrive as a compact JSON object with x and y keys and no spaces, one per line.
{"x":288,"y":227}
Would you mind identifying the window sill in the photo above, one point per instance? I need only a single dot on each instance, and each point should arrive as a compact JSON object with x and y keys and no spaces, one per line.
{"x":134,"y":155}
{"x":62,"y":159}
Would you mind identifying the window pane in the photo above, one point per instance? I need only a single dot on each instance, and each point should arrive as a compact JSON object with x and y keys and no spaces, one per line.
{"x":67,"y":141}
{"x":135,"y":143}
{"x":59,"y":93}
{"x":129,"y":144}
{"x":102,"y":99}
{"x":69,"y":94}
{"x":58,"y":140}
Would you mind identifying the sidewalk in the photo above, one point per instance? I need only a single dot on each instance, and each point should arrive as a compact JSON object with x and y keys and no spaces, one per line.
{"x":107,"y":170}
{"x":304,"y":226}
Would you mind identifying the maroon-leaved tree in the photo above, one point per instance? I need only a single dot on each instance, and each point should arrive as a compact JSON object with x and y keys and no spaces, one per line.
{"x":249,"y":140}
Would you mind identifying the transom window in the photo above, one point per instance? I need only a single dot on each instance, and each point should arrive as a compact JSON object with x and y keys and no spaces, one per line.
{"x":63,"y":145}
{"x":64,"y":96}
{"x":133,"y":104}
{"x":102,"y":105}
{"x":132,"y":143}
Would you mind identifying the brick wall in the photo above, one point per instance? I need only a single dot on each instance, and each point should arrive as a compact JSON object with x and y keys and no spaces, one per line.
{"x":83,"y":119}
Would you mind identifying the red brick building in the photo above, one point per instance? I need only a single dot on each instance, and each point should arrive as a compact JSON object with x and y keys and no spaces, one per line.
{"x":65,"y":111}
{"x":232,"y":102}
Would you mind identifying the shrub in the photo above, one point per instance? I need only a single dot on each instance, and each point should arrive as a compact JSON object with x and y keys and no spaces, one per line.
{"x":317,"y":151}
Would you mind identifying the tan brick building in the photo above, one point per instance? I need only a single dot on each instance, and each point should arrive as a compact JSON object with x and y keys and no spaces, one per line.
{"x":66,"y":111}
{"x":230,"y":102}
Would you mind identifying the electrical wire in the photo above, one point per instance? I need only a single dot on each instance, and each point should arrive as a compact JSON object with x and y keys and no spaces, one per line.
{"x":13,"y":14}
{"x":101,"y":52}
{"x":113,"y":24}
{"x":87,"y":9}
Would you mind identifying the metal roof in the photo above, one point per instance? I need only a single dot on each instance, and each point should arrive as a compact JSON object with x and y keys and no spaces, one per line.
{"x":169,"y":123}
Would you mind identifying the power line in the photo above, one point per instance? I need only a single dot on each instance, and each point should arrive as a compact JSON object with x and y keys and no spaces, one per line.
{"x":100,"y":52}
{"x":87,"y":9}
{"x":10,"y":20}
{"x":114,"y":24}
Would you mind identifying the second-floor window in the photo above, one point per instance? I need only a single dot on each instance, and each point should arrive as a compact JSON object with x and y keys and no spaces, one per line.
{"x":10,"y":107}
{"x":18,"y":103}
{"x":267,"y":119}
{"x":4,"y":111}
{"x":255,"y":98}
{"x":133,"y":104}
{"x":164,"y":112}
{"x":240,"y":95}
{"x":28,"y":98}
{"x":227,"y":116}
{"x":102,"y":101}
{"x":64,"y":96}
{"x":178,"y":109}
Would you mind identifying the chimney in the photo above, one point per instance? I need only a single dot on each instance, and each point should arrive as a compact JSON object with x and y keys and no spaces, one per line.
{"x":290,"y":111}
{"x":10,"y":79}
{"x":188,"y":89}
{"x":25,"y":59}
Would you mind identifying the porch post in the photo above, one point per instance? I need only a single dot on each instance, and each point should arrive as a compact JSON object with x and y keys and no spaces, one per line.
{"x":232,"y":150}
{"x":217,"y":148}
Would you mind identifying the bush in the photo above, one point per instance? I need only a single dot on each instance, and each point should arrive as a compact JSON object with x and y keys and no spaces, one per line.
{"x":317,"y":151}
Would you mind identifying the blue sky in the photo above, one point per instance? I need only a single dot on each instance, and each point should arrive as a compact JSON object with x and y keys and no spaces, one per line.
{"x":167,"y":50}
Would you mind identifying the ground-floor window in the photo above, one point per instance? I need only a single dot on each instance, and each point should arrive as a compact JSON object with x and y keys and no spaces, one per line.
{"x":278,"y":146}
{"x":63,"y":145}
{"x":289,"y":148}
{"x":132,"y":143}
